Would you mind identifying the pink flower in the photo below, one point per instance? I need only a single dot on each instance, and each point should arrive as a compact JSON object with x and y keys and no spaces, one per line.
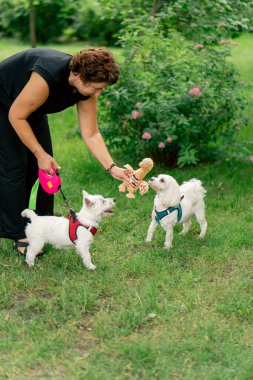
{"x":195,"y":91}
{"x":107,"y":103}
{"x":242,"y":81}
{"x":135,"y":114}
{"x":169,"y":139}
{"x":138,"y":104}
{"x":146,"y":136}
{"x":199,"y":46}
{"x":237,"y":128}
{"x":161,"y":145}
{"x":251,"y":158}
{"x":225,"y":42}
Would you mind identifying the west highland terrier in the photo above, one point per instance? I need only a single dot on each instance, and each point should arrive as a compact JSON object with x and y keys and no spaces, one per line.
{"x":176,"y":204}
{"x":61,"y":232}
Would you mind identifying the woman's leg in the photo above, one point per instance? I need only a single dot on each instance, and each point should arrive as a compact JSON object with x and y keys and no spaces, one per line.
{"x":13,"y":168}
{"x":18,"y":172}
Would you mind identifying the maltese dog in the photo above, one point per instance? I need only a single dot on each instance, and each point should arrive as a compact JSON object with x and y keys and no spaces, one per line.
{"x":176,"y":204}
{"x":61,"y":232}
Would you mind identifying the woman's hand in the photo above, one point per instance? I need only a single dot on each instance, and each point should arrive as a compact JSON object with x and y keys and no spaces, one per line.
{"x":45,"y":162}
{"x":124,"y":175}
{"x":121,"y":174}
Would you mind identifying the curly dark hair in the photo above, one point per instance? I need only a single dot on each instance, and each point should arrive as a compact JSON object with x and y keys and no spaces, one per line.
{"x":95,"y":65}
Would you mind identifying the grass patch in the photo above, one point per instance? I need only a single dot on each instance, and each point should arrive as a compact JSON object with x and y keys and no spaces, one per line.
{"x":145,"y":313}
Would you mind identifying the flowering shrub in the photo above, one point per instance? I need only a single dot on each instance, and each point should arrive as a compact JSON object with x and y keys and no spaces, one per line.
{"x":209,"y":20}
{"x":176,"y":101}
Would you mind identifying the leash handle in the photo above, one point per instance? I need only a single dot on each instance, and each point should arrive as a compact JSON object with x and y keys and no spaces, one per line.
{"x":49,"y":183}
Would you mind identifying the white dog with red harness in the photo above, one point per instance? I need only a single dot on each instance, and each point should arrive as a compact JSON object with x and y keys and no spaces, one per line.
{"x":63,"y":233}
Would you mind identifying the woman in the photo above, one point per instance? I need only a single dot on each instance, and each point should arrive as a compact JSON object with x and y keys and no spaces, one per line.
{"x":34,"y":83}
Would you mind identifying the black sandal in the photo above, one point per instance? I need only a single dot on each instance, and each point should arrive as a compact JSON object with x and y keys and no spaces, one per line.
{"x":21,"y":244}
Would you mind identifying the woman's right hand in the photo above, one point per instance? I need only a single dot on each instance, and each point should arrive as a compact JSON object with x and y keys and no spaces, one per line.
{"x":46,"y":162}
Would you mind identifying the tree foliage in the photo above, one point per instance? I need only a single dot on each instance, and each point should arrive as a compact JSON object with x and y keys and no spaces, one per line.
{"x":209,"y":20}
{"x":197,"y":19}
{"x":52,"y":18}
{"x":102,"y":20}
{"x":57,"y":20}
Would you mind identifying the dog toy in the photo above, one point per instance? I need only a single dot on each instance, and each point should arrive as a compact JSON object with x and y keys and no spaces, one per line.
{"x":50,"y":182}
{"x":136,"y":178}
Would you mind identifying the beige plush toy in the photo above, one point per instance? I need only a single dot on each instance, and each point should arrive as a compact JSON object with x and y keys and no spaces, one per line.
{"x":136,"y":178}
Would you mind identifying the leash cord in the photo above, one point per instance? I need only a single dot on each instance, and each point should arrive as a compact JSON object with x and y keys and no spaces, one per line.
{"x":64,"y":197}
{"x":71,"y":211}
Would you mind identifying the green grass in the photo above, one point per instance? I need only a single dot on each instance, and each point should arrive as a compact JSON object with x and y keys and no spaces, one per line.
{"x":145,"y":313}
{"x":242,"y":59}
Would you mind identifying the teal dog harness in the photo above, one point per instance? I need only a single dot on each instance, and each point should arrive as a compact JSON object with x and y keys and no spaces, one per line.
{"x":161,"y":214}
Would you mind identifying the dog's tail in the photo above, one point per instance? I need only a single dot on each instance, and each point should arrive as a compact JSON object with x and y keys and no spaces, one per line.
{"x":195,"y":186}
{"x":199,"y":187}
{"x":30,"y":214}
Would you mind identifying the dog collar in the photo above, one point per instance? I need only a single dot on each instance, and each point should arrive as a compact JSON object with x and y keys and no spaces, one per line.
{"x":74,"y":224}
{"x":161,"y":214}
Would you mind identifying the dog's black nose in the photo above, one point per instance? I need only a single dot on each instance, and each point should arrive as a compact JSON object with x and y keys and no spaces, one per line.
{"x":114,"y":200}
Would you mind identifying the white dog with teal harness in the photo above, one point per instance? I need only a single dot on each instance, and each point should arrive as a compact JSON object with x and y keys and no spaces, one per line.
{"x":176,"y":204}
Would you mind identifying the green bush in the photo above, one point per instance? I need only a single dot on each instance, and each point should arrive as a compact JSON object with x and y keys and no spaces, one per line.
{"x":176,"y":102}
{"x":89,"y":24}
{"x":209,"y":21}
{"x":197,"y":20}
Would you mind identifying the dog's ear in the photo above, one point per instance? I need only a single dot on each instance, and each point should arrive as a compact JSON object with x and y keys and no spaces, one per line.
{"x":88,"y":202}
{"x":85,"y":194}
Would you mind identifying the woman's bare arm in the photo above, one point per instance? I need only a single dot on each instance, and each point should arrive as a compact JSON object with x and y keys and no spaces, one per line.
{"x":87,"y":116}
{"x":33,"y":95}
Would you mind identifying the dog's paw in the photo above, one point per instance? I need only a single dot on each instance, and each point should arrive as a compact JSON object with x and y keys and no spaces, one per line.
{"x":201,"y":236}
{"x":29,"y":262}
{"x":91,"y":266}
{"x":167,"y":246}
{"x":148,"y":241}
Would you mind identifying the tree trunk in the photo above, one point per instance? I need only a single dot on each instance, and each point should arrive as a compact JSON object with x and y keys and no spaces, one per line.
{"x":157,"y":4}
{"x":32,"y":24}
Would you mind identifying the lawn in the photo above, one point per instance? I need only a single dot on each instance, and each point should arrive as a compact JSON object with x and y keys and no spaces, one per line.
{"x":145,"y":313}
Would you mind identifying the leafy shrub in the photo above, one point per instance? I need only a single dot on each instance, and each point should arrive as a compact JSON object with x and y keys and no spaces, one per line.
{"x":176,"y":102}
{"x":90,"y":24}
{"x":209,"y":20}
{"x":196,"y":19}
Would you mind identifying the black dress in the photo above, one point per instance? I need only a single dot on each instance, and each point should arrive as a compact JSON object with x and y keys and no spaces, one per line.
{"x":18,"y":166}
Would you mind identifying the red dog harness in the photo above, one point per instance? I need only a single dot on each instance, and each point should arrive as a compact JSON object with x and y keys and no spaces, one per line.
{"x":74,"y":224}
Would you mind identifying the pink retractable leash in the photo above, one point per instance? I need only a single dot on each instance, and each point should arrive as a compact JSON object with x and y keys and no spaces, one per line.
{"x":50,"y":183}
